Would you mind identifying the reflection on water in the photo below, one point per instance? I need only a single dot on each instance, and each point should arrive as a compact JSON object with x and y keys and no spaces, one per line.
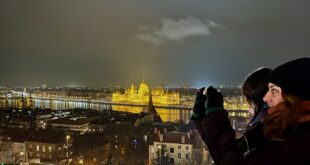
{"x":166,"y":114}
{"x":54,"y":104}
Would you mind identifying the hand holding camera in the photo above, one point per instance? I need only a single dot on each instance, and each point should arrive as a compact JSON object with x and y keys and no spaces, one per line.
{"x":199,"y":105}
{"x":209,"y":95}
{"x":215,"y":98}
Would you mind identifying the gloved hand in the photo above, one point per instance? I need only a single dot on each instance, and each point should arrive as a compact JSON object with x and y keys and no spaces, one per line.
{"x":199,"y":105}
{"x":215,"y":98}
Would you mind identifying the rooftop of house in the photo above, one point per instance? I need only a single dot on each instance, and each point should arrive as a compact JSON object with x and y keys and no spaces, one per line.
{"x":46,"y":136}
{"x":175,"y":137}
{"x":83,"y":143}
{"x":16,"y":134}
{"x":74,"y":120}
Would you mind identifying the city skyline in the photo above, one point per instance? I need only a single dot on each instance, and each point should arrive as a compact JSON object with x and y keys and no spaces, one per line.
{"x":175,"y":43}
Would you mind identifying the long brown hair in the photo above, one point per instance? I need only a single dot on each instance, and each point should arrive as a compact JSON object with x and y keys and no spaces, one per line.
{"x":282,"y":117}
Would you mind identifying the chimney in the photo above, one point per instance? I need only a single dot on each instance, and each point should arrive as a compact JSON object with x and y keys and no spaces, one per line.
{"x":183,"y":139}
{"x":161,"y":137}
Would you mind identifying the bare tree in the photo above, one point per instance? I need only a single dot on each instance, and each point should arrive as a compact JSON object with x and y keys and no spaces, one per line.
{"x":161,"y":156}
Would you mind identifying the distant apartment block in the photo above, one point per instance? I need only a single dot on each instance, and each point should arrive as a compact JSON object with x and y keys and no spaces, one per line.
{"x":45,"y":146}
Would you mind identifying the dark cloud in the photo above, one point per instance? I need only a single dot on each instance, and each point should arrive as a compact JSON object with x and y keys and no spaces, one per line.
{"x":179,"y":30}
{"x":100,"y":43}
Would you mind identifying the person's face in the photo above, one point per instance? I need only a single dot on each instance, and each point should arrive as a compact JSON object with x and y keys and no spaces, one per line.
{"x":274,"y":95}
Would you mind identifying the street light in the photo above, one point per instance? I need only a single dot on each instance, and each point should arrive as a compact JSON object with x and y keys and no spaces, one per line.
{"x":67,"y":147}
{"x":81,"y":161}
{"x":22,"y":156}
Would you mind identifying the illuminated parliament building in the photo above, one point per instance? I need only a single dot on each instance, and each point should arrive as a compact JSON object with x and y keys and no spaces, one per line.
{"x":141,"y":95}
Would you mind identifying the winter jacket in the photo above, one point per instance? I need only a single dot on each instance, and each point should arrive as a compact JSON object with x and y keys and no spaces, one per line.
{"x":217,"y":133}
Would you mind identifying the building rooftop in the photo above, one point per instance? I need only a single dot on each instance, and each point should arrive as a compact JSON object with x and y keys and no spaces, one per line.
{"x":175,"y":137}
{"x":16,"y":134}
{"x":82,"y":143}
{"x":46,"y":136}
{"x":22,"y":135}
{"x":74,"y":121}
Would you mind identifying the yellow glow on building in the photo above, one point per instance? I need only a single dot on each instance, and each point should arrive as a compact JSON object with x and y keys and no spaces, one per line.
{"x":141,"y":96}
{"x":167,"y":115}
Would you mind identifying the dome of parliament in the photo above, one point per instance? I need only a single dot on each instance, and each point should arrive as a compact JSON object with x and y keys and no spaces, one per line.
{"x":144,"y":88}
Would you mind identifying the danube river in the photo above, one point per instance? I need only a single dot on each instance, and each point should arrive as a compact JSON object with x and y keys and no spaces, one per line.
{"x":167,"y":114}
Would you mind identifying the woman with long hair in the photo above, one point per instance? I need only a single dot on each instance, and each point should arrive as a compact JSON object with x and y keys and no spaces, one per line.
{"x":289,"y":99}
{"x":286,"y":126}
{"x":254,"y":89}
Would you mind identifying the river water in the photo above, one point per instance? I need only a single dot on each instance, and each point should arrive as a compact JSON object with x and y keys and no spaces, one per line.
{"x":167,"y":114}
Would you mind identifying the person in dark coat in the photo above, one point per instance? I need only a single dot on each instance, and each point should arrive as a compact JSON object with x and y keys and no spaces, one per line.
{"x":286,"y":126}
{"x":254,"y":88}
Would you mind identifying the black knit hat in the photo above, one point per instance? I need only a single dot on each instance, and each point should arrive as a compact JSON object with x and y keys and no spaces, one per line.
{"x":293,"y":78}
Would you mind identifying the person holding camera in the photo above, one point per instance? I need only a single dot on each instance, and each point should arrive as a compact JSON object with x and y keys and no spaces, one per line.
{"x":286,"y":127}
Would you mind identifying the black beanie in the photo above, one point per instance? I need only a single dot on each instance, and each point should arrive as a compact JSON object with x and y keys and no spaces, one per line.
{"x":293,"y":78}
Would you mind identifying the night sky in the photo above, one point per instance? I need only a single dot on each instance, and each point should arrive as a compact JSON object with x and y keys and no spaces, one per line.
{"x":172,"y":42}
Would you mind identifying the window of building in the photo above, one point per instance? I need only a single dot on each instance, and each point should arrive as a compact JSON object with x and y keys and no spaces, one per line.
{"x":38,"y":155}
{"x":179,"y":147}
{"x":187,"y":156}
{"x":50,"y":156}
{"x":171,"y":160}
{"x":49,"y":148}
{"x":179,"y":155}
{"x":187,"y":148}
{"x":30,"y":146}
{"x":171,"y":150}
{"x":43,"y":148}
{"x":38,"y":148}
